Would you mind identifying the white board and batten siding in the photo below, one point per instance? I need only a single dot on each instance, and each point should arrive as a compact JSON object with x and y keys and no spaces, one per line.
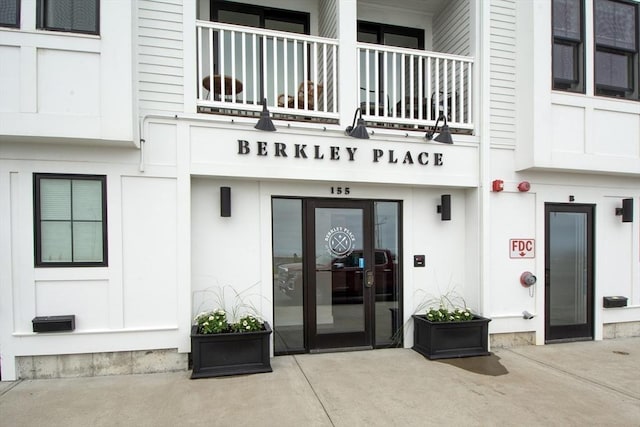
{"x":160,"y":55}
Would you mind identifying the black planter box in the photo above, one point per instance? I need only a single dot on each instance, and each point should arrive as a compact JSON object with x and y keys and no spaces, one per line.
{"x":443,"y":340}
{"x":612,"y":302}
{"x":234,"y":353}
{"x":54,"y":323}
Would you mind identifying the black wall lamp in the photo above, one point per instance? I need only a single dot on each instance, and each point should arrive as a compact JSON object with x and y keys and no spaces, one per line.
{"x":357,"y":130}
{"x":265,"y":122}
{"x":225,"y":202}
{"x":444,"y":208}
{"x":626,"y":211}
{"x":445,"y":134}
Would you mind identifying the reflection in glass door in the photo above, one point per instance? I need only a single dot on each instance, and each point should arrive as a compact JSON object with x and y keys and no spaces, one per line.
{"x":341,"y":274}
{"x":569,"y":276}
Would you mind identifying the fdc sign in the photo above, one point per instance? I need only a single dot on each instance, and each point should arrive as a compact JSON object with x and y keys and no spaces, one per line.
{"x":522,"y":248}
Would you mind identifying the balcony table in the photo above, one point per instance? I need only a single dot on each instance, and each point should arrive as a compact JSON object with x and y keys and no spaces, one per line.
{"x":229,"y":83}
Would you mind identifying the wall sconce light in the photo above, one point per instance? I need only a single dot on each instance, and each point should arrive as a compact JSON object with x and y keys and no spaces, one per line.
{"x":357,"y":130}
{"x":626,"y":210}
{"x":225,"y":202}
{"x":444,"y":208}
{"x":265,"y":122}
{"x":445,"y":135}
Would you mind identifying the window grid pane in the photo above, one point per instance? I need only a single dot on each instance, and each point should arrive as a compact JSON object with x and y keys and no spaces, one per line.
{"x":56,"y":241}
{"x":55,"y":199}
{"x":87,"y":241}
{"x":9,"y":13}
{"x":87,"y":200}
{"x":70,"y":15}
{"x":615,"y":25}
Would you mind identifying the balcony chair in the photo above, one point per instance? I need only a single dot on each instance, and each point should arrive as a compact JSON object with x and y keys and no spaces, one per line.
{"x":311,"y":88}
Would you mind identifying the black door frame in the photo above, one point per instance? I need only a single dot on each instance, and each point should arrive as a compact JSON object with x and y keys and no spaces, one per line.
{"x":363,"y":339}
{"x":584,"y":331}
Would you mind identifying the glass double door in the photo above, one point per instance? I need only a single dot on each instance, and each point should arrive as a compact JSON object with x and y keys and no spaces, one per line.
{"x":348,"y":290}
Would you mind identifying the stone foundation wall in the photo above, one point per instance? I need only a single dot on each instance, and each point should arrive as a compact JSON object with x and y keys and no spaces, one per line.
{"x":621,"y":330}
{"x":513,"y":339}
{"x":100,"y":364}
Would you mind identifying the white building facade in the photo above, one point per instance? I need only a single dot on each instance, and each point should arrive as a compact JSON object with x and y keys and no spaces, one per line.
{"x":136,"y":188}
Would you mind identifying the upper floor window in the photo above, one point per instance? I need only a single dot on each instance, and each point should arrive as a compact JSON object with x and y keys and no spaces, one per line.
{"x":70,"y":220}
{"x":616,"y":48}
{"x":76,"y":16}
{"x":10,"y":13}
{"x":568,"y":45}
{"x":615,"y":53}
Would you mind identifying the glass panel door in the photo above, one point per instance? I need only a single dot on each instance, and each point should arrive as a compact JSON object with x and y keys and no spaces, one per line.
{"x":568,"y":284}
{"x":341,"y":274}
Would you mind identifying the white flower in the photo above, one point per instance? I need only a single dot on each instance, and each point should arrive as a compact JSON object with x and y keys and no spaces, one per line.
{"x":248,"y":327}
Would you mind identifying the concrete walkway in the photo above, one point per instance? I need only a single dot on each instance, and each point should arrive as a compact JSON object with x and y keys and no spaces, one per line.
{"x":573,"y":384}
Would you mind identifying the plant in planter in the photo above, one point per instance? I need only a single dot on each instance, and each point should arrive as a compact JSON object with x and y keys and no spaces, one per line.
{"x":220,"y":346}
{"x":450,"y":331}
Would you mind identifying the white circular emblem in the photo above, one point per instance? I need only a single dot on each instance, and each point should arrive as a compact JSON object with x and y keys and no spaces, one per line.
{"x":339,"y":242}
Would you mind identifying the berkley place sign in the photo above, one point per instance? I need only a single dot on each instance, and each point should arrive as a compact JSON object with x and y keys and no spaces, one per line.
{"x":335,"y":153}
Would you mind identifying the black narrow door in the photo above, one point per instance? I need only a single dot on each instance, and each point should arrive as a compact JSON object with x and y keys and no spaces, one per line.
{"x":340,"y":274}
{"x":569,"y":272}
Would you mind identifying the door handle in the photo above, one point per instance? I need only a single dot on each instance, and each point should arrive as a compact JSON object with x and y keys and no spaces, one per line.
{"x":369,"y":278}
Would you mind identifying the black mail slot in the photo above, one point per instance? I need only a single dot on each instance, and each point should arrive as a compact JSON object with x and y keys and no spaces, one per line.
{"x":611,"y":302}
{"x":54,"y":323}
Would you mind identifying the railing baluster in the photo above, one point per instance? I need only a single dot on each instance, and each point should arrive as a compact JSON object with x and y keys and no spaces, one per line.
{"x":454,"y":117}
{"x":243,"y":64}
{"x":334,"y":78}
{"x":324,"y":77}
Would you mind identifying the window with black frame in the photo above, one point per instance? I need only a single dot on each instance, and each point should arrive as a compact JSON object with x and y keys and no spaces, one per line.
{"x":70,"y":220}
{"x":616,"y":48}
{"x":74,"y":16}
{"x":259,"y":17}
{"x":388,"y":35}
{"x":568,"y":45}
{"x":10,"y":13}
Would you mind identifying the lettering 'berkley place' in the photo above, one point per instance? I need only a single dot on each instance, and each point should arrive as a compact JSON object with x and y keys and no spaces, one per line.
{"x":304,"y":151}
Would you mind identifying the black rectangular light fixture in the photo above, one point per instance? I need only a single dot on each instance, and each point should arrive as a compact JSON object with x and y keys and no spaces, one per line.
{"x":225,"y":202}
{"x":626,"y":211}
{"x":444,"y":208}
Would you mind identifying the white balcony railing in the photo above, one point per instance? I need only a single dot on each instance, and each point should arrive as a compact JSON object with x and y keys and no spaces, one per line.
{"x":411,"y":87}
{"x":239,"y":66}
{"x":297,"y":74}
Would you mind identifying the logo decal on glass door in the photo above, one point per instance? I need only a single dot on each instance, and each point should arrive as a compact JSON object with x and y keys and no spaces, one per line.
{"x":339,"y":242}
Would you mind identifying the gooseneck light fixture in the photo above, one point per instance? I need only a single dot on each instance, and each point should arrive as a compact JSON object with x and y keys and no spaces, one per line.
{"x":265,"y":122}
{"x":357,"y":130}
{"x":445,"y":134}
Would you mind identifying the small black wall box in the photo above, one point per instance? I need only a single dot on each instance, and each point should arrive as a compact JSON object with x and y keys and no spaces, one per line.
{"x":54,"y":323}
{"x":611,"y":302}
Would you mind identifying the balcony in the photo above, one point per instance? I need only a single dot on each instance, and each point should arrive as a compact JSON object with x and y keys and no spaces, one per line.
{"x":299,"y":77}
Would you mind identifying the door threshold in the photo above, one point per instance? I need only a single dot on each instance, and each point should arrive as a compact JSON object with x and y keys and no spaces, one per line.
{"x":564,"y":340}
{"x":340,"y":349}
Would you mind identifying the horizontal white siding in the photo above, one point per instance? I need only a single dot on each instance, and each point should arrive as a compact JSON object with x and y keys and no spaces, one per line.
{"x":160,"y":55}
{"x":503,"y":72}
{"x":451,"y":29}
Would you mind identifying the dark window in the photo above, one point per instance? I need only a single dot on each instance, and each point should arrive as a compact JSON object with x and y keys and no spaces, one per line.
{"x":10,"y":13}
{"x":260,"y":17}
{"x":390,"y":35}
{"x":568,"y":46}
{"x":616,"y":48}
{"x":76,"y":16}
{"x":70,"y":220}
